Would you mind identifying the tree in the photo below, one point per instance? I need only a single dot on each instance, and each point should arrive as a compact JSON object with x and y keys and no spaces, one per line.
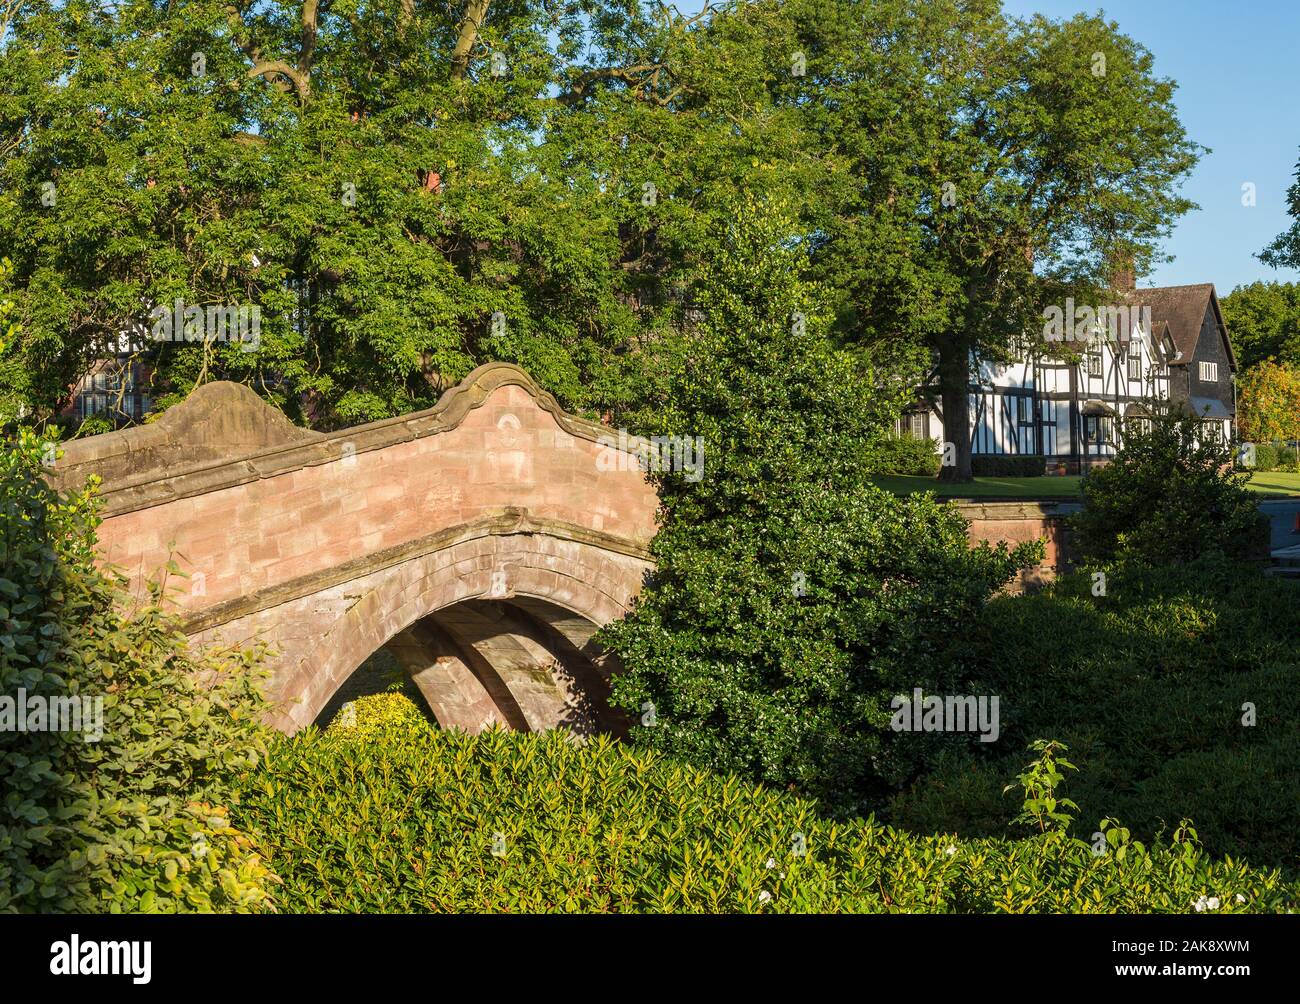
{"x":1284,"y":252}
{"x":10,"y":374}
{"x":1263,"y":321}
{"x":791,"y":599}
{"x":408,"y":191}
{"x":379,"y":181}
{"x":1001,"y":165}
{"x":1268,"y":402}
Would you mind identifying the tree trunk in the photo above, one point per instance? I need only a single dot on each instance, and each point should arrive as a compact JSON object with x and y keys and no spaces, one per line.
{"x":954,"y":391}
{"x":475,"y":12}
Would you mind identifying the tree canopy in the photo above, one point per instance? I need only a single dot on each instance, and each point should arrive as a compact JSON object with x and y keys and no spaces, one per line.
{"x":406,"y":190}
{"x":1263,"y":321}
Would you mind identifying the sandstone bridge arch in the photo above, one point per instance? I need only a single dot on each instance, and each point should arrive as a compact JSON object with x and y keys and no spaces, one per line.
{"x":481,"y":543}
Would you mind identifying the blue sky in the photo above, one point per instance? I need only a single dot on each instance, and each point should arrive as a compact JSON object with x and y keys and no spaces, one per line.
{"x":1238,"y":73}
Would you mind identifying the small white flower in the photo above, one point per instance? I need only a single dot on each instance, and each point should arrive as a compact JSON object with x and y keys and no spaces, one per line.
{"x":1199,"y":905}
{"x":783,"y":874}
{"x":764,"y":896}
{"x":1212,"y":902}
{"x":1241,"y":898}
{"x":950,"y":851}
{"x":771,"y":863}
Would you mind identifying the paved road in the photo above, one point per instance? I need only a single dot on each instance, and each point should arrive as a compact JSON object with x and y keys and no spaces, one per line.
{"x":1282,"y":513}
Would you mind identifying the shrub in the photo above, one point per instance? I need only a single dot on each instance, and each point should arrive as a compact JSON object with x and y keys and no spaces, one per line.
{"x":1025,"y":465}
{"x":378,"y":714}
{"x":904,"y":455}
{"x":791,"y":599}
{"x":1165,"y":499}
{"x":1147,"y":684}
{"x":138,"y":821}
{"x":1288,"y":457}
{"x":1266,"y":457}
{"x":418,"y":820}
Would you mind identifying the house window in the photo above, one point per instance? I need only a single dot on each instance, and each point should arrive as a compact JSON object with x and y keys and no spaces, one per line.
{"x":1094,"y":364}
{"x":1097,"y":429}
{"x":913,"y":425}
{"x":1209,"y":372}
{"x":1135,"y":366}
{"x":93,"y":404}
{"x":1025,"y":410}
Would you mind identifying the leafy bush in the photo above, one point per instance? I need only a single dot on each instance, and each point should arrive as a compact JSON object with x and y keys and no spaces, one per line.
{"x":1165,"y":499}
{"x":1288,"y":457}
{"x":905,"y":455}
{"x":1023,"y":465}
{"x":1147,"y":684}
{"x":1266,"y":457}
{"x":139,"y":820}
{"x":416,"y":820}
{"x":378,"y":714}
{"x":791,"y":598}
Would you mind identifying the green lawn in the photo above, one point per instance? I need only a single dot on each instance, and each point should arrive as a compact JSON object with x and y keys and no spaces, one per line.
{"x":1020,"y":488}
{"x":1276,"y":483}
{"x":1047,"y":487}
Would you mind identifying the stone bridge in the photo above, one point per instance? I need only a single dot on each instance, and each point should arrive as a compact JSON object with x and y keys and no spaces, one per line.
{"x":481,"y":543}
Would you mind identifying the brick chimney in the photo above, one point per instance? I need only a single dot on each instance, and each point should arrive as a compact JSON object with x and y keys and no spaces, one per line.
{"x":1124,"y":279}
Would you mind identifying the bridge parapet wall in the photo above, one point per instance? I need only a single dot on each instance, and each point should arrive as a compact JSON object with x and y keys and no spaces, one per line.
{"x":246,"y":525}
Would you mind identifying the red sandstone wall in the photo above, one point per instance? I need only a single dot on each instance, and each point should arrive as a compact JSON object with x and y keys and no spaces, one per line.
{"x":508,"y":452}
{"x":1018,"y":522}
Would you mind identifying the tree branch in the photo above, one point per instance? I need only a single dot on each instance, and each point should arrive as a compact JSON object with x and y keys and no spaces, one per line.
{"x":270,"y":67}
{"x":274,"y":69}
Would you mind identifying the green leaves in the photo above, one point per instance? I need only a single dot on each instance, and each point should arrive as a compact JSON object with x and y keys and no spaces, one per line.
{"x":791,"y":599}
{"x":1039,"y":781}
{"x":1167,"y":497}
{"x":90,"y":825}
{"x":1263,"y":321}
{"x":397,"y":816}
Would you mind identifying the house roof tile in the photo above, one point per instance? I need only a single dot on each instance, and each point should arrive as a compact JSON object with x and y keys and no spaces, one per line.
{"x":1182,"y":309}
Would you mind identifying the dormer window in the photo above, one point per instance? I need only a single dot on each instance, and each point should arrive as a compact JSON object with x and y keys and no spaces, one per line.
{"x":1209,"y":372}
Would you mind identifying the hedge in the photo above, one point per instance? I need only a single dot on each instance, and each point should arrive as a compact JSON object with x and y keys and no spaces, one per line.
{"x":1147,"y":684}
{"x":1166,"y":498}
{"x":1266,"y":457}
{"x":905,"y":455}
{"x":396,"y":816}
{"x":1275,"y":457}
